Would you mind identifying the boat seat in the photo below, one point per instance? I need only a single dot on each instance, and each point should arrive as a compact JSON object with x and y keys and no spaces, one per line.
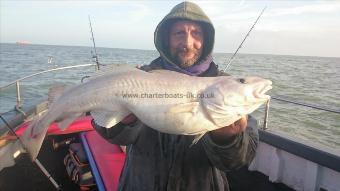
{"x":106,"y":160}
{"x":79,"y":125}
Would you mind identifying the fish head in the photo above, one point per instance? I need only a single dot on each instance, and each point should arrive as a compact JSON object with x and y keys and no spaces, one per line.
{"x":233,"y":98}
{"x":246,"y":91}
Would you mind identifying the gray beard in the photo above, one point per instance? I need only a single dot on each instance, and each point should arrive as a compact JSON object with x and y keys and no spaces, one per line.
{"x":186,"y":63}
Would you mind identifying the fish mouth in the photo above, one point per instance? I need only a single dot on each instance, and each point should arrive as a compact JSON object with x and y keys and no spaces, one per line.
{"x":260,"y":93}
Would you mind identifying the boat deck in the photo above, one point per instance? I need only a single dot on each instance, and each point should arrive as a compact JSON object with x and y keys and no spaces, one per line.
{"x":27,"y":176}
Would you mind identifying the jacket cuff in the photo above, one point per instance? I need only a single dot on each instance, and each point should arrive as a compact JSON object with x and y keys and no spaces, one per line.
{"x":229,"y":143}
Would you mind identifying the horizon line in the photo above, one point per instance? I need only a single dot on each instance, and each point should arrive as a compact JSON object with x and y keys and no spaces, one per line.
{"x":217,"y":52}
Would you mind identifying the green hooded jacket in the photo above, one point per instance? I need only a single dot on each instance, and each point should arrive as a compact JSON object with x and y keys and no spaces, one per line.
{"x":184,"y":11}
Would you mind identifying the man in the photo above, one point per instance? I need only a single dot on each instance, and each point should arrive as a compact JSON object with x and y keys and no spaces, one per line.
{"x":159,"y":161}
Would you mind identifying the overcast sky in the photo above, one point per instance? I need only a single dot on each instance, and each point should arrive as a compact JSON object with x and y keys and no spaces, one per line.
{"x":309,"y":28}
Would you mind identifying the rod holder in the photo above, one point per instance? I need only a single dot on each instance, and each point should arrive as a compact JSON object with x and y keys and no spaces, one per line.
{"x":18,"y":94}
{"x":266,"y":114}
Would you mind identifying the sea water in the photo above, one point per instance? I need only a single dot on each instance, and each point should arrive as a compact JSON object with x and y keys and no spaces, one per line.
{"x":312,"y":80}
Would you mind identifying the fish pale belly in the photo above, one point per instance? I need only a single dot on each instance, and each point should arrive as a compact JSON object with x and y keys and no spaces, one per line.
{"x":183,"y":122}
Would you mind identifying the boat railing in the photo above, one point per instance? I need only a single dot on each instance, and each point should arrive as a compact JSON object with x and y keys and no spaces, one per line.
{"x":17,"y":82}
{"x":277,"y":98}
{"x":306,"y":105}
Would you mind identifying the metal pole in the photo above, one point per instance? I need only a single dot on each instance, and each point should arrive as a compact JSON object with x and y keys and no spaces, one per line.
{"x":47,"y":174}
{"x":18,"y":95}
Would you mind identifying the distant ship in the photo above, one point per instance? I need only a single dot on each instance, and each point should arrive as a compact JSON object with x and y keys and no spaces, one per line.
{"x":22,"y":42}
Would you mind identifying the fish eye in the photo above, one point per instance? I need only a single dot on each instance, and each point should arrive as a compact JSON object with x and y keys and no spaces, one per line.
{"x":242,"y":80}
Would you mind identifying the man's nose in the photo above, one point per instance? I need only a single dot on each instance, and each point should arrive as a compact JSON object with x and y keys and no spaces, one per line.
{"x":188,"y":40}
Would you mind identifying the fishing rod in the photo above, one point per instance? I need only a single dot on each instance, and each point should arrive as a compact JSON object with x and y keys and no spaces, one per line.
{"x":244,"y":39}
{"x":276,"y":97}
{"x":95,"y":56}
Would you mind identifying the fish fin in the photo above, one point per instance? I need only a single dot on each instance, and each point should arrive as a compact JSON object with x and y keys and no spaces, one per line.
{"x":31,"y":141}
{"x":216,"y":112}
{"x":55,"y":92}
{"x":190,"y":107}
{"x":9,"y":152}
{"x":114,"y":69}
{"x":222,"y":117}
{"x":197,"y":138}
{"x":226,"y":120}
{"x":109,"y":118}
{"x":64,"y":123}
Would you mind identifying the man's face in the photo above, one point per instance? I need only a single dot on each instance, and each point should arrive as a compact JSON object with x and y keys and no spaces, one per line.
{"x":186,"y":42}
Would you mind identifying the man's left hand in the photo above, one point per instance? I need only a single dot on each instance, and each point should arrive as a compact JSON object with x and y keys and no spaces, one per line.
{"x":224,"y":134}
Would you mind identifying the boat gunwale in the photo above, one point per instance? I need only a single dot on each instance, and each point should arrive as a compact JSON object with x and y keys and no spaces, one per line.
{"x":313,"y":152}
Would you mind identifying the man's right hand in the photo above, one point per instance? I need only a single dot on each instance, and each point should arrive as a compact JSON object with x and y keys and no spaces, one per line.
{"x":129,"y":119}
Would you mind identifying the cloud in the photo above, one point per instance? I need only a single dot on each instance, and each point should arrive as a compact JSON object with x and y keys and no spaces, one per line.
{"x":138,"y":12}
{"x":328,"y":7}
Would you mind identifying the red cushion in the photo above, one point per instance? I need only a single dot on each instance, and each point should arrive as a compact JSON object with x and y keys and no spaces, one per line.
{"x":109,"y":159}
{"x":80,"y":124}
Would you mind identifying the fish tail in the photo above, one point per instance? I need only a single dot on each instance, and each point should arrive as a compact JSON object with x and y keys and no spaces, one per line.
{"x":33,"y":137}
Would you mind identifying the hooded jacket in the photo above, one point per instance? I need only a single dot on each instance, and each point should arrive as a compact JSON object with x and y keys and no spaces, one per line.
{"x":157,"y":161}
{"x":184,"y":11}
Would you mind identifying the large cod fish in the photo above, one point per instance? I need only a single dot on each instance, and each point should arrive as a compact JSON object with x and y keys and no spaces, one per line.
{"x":166,"y":101}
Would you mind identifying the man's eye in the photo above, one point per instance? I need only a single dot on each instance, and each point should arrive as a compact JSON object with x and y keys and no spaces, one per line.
{"x":197,"y":33}
{"x":178,"y":33}
{"x":242,"y":80}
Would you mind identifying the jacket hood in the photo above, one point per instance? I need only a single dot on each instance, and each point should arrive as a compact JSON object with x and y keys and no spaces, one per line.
{"x":184,"y":11}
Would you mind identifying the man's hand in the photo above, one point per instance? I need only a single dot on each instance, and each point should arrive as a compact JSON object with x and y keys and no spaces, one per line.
{"x":129,"y":119}
{"x":222,"y":136}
